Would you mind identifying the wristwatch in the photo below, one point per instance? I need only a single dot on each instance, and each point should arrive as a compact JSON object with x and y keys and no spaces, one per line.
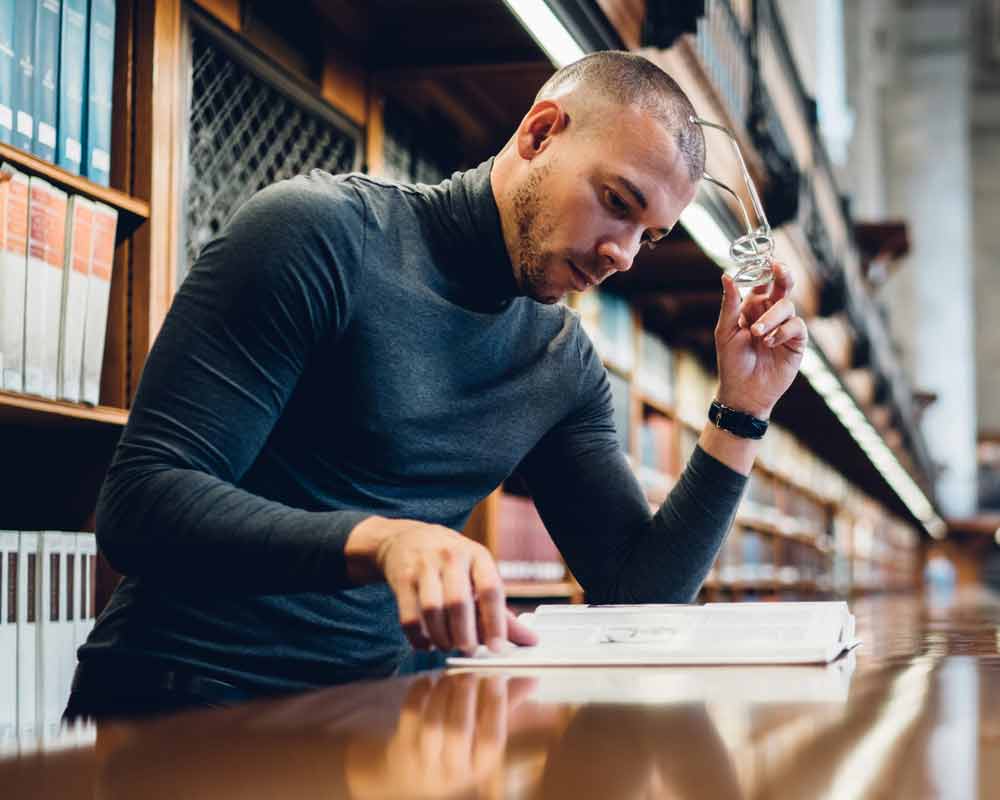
{"x":736,"y":422}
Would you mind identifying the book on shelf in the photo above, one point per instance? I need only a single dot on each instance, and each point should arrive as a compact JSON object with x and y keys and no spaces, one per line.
{"x":27,"y":634}
{"x":525,"y":551}
{"x":104,"y":221}
{"x":76,"y":276}
{"x":8,"y":638}
{"x":43,"y":286}
{"x":72,"y":72}
{"x":86,"y":560}
{"x":13,"y":269}
{"x":7,"y":71}
{"x":46,"y":77}
{"x":24,"y":73}
{"x":622,"y":409}
{"x":100,"y":74}
{"x":714,"y":633}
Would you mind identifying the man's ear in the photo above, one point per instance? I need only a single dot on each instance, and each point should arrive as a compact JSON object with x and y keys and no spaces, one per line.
{"x":545,"y":119}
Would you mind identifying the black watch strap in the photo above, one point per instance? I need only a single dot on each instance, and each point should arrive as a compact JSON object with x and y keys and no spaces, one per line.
{"x":736,"y":422}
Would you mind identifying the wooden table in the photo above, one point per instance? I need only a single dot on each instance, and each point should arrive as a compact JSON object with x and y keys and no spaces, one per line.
{"x":916,"y":714}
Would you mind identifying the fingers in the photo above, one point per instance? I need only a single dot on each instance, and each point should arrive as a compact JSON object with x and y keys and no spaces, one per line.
{"x":761,"y":298}
{"x":489,"y":601}
{"x":730,"y":311}
{"x":410,"y":615}
{"x":431,"y":594}
{"x":518,"y":632}
{"x":771,"y":319}
{"x":459,"y":608}
{"x":793,"y":334}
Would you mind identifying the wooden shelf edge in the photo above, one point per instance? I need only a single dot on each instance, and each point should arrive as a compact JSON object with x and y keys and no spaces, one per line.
{"x":127,"y":205}
{"x":28,"y":409}
{"x":540,"y":589}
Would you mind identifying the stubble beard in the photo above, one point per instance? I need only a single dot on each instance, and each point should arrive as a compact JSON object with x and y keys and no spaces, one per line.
{"x":534,"y":227}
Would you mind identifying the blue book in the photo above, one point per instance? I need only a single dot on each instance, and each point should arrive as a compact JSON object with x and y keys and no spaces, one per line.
{"x":46,"y":77}
{"x":7,"y":71}
{"x":24,"y":73}
{"x":72,"y":75}
{"x":101,"y":53}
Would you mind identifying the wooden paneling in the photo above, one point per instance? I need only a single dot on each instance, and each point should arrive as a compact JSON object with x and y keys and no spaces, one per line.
{"x":158,"y":126}
{"x":343,"y":86}
{"x":226,"y":11}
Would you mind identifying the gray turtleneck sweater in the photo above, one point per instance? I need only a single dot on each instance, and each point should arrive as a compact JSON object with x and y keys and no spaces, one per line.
{"x":351,"y":347}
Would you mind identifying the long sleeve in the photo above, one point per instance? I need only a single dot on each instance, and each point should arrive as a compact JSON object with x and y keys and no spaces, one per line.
{"x":261,"y":298}
{"x":596,"y":512}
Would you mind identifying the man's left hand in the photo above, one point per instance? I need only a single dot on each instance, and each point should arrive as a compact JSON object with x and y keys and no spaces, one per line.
{"x":759,"y":344}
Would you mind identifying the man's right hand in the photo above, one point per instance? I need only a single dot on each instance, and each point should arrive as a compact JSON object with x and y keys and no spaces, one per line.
{"x":447,"y":587}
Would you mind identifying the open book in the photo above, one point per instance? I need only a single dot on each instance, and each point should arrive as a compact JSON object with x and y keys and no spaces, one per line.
{"x":715,"y":633}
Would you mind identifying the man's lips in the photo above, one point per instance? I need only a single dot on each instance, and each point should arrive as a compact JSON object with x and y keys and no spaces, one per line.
{"x":581,"y":278}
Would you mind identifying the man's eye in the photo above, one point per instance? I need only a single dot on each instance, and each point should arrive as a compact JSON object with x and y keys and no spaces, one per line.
{"x":618,"y":205}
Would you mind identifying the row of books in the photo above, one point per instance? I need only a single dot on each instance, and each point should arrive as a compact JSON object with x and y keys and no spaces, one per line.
{"x":47,"y":581}
{"x":525,"y":550}
{"x":607,"y":319}
{"x":654,"y":372}
{"x":56,"y":71}
{"x":56,"y":257}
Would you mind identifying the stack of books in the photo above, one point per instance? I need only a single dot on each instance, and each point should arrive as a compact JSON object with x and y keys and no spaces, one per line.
{"x":47,"y":581}
{"x":56,"y":71}
{"x":56,"y":257}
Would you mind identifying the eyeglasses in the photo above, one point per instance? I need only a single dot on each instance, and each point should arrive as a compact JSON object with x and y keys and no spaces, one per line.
{"x":752,"y":251}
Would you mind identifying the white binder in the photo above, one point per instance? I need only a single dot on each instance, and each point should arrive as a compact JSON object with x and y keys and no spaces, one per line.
{"x":76,"y":274}
{"x":8,"y":639}
{"x":105,"y":221}
{"x":52,"y":601}
{"x":86,"y":548}
{"x":13,"y":266}
{"x":27,"y":636}
{"x":67,"y":624}
{"x":43,"y":286}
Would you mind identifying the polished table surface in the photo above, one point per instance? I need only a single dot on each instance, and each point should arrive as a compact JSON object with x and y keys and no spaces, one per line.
{"x":913,"y":713}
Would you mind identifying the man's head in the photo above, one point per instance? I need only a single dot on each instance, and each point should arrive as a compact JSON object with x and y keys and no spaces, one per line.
{"x":603,"y":162}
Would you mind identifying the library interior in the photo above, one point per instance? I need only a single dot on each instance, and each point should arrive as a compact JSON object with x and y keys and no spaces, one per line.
{"x":333,"y":471}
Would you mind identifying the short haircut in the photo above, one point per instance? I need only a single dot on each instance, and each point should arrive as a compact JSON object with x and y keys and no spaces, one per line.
{"x":628,"y":79}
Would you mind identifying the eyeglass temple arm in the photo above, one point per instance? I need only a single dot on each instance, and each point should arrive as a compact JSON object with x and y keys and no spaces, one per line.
{"x":754,"y":197}
{"x":739,"y":201}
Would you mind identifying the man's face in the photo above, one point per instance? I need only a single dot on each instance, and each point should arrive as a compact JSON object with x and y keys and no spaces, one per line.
{"x":591,"y":199}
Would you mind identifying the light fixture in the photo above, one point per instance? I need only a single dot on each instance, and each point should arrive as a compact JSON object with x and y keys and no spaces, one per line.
{"x":828,"y":386}
{"x":547,"y":30}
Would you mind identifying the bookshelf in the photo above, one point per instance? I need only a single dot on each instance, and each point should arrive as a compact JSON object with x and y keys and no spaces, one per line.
{"x":20,"y":409}
{"x":132,"y":212}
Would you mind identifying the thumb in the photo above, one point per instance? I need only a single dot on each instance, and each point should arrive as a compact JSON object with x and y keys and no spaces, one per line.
{"x":730,"y":313}
{"x":518,"y":632}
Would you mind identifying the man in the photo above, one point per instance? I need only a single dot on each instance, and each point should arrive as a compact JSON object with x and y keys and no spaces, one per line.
{"x":353,"y":364}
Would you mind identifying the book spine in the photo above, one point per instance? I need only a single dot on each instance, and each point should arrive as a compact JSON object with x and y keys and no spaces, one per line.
{"x":76,"y":274}
{"x":24,"y":78}
{"x":43,"y":289}
{"x":8,"y":639}
{"x":100,"y":71}
{"x":7,"y":71}
{"x":72,"y":75}
{"x":27,"y":636}
{"x":46,"y":77}
{"x":13,"y":270}
{"x":47,"y":658}
{"x":105,"y":220}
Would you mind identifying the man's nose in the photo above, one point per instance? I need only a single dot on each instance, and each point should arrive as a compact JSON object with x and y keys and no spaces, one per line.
{"x":616,"y":255}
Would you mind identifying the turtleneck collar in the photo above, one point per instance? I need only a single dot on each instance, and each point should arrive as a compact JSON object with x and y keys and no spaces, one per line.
{"x":465,"y":227}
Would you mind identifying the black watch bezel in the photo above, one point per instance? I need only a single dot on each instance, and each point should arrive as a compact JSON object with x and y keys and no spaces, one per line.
{"x":736,"y":422}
